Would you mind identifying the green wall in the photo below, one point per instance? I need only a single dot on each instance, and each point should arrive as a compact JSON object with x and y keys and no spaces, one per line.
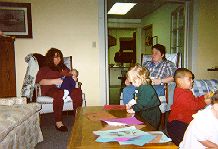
{"x":160,"y":20}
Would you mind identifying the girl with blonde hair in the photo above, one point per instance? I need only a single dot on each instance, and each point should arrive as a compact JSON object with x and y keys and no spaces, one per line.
{"x":146,"y":101}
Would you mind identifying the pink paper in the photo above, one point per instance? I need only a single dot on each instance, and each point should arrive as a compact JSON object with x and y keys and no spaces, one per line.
{"x":122,"y":139}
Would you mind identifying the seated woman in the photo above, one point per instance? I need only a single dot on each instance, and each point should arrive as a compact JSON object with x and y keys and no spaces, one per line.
{"x":161,"y":71}
{"x":49,"y":77}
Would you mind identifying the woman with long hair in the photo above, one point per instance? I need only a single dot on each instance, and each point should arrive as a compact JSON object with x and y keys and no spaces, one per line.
{"x":50,"y":77}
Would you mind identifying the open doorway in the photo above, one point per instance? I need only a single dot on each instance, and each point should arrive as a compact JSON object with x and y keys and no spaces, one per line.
{"x":152,"y":23}
{"x":121,"y":54}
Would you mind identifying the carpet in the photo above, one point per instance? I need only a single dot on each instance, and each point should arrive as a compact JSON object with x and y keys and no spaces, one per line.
{"x":54,"y":139}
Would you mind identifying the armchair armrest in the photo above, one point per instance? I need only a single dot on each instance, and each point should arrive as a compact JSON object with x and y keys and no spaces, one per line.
{"x":37,"y":90}
{"x":78,"y":84}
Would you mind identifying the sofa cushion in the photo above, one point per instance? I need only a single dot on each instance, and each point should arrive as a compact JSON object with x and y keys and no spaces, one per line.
{"x":202,"y":87}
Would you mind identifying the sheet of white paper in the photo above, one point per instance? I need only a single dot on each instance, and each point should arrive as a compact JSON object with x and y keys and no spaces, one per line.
{"x":115,"y":123}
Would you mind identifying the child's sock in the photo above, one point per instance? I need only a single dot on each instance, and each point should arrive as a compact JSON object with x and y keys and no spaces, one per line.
{"x":66,"y":93}
{"x":68,"y":98}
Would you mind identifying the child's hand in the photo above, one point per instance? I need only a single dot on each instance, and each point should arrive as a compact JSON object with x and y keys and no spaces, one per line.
{"x":207,"y":101}
{"x":132,"y":102}
{"x":130,"y":111}
{"x":128,"y":107}
{"x":208,"y":95}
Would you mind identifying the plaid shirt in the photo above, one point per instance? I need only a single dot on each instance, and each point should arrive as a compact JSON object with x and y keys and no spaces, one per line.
{"x":162,"y":69}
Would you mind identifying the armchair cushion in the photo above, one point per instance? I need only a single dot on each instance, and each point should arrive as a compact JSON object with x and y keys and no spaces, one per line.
{"x":47,"y":100}
{"x":44,"y":100}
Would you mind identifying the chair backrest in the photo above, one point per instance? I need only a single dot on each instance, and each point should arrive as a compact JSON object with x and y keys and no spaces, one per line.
{"x":173,"y":57}
{"x":30,"y":76}
{"x":35,"y":61}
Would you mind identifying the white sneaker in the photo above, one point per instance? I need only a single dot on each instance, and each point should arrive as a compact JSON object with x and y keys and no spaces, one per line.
{"x":68,"y":98}
{"x":66,"y":93}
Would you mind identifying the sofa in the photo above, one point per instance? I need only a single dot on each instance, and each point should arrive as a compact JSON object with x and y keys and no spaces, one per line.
{"x":19,"y":123}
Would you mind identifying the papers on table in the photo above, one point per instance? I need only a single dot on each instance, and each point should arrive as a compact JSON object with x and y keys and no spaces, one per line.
{"x":110,"y":127}
{"x":115,"y":123}
{"x":131,"y":135}
{"x":122,"y":121}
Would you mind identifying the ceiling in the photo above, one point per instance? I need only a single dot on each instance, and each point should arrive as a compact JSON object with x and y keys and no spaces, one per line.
{"x":141,"y":9}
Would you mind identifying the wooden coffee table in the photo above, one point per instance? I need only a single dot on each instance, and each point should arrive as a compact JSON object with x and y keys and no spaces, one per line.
{"x":82,"y":132}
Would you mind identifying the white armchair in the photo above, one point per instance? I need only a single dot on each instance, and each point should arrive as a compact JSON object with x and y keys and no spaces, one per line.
{"x":29,"y":85}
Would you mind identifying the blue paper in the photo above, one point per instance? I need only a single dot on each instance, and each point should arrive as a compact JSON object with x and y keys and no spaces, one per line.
{"x":130,"y":135}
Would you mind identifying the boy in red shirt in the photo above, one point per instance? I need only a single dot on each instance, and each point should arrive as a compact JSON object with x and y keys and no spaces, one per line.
{"x":185,"y":104}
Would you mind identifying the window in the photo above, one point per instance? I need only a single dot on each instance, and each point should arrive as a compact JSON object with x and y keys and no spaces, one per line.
{"x":177,"y":31}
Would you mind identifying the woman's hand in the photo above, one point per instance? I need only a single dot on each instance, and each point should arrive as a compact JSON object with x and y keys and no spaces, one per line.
{"x":57,"y":81}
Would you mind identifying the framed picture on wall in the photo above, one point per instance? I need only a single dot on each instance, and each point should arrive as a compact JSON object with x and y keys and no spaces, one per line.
{"x":15,"y":19}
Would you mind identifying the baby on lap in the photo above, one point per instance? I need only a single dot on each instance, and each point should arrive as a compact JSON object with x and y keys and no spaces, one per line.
{"x":69,"y":83}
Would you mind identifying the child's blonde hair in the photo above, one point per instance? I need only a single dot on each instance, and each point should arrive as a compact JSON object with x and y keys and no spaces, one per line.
{"x":138,"y":72}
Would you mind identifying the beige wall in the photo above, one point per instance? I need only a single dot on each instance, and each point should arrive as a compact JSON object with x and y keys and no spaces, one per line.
{"x":69,"y":25}
{"x":207,"y":49}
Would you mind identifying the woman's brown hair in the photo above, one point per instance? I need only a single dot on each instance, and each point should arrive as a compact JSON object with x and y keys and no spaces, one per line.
{"x":50,"y":59}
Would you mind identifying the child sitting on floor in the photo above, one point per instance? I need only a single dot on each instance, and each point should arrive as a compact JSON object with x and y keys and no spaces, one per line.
{"x":185,"y":104}
{"x":202,"y":132}
{"x":146,"y":101}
